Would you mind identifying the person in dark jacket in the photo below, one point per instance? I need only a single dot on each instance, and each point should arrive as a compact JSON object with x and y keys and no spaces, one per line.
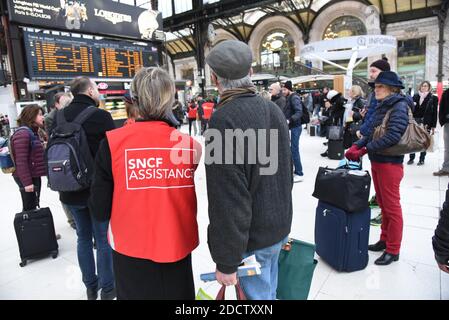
{"x":440,"y":240}
{"x":426,"y":113}
{"x":62,"y":99}
{"x":335,"y":110}
{"x":387,"y":171}
{"x":277,"y":97}
{"x":149,"y":199}
{"x":86,"y":94}
{"x":443,"y":116}
{"x":375,"y":69}
{"x":354,"y":119}
{"x":250,"y":204}
{"x":293,"y":113}
{"x":28,"y":155}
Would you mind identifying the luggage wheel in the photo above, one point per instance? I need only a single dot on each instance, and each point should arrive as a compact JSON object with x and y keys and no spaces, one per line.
{"x":23,"y":263}
{"x":54,"y":255}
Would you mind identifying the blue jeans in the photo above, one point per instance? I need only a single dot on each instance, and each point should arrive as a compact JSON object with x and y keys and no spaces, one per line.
{"x":87,"y":228}
{"x":263,"y":286}
{"x":295,"y":134}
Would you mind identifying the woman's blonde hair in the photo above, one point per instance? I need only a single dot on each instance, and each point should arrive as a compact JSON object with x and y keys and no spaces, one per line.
{"x":153,"y":92}
{"x":357,"y":91}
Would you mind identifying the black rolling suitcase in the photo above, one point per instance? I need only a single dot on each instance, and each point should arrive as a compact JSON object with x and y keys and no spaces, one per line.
{"x":336,"y":150}
{"x":35,"y":233}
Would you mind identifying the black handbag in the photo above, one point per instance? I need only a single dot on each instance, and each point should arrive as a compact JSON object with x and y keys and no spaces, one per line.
{"x":343,"y":188}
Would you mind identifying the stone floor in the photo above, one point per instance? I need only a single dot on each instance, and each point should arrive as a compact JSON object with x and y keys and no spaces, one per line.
{"x":415,"y":276}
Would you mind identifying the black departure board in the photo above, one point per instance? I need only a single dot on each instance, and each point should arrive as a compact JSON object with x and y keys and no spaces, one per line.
{"x":52,"y":57}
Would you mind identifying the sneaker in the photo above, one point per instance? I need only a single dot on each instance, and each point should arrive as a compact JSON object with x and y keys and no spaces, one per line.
{"x":92,"y":293}
{"x":410,"y":162}
{"x":420,"y":163}
{"x":298,"y":178}
{"x":325,"y":154}
{"x":377,"y":221}
{"x":373,"y":202}
{"x":108,"y":295}
{"x":441,"y":173}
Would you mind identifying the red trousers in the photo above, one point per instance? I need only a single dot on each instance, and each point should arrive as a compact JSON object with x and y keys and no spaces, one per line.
{"x":387,"y":179}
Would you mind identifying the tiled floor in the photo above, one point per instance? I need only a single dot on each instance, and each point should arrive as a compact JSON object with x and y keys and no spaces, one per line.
{"x":415,"y":276}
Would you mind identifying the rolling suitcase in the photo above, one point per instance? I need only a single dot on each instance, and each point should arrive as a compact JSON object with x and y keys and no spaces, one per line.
{"x":313,"y":130}
{"x":336,"y":150}
{"x":35,"y":234}
{"x":341,"y":238}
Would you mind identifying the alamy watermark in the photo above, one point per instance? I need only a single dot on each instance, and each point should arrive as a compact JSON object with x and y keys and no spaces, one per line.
{"x":235,"y":146}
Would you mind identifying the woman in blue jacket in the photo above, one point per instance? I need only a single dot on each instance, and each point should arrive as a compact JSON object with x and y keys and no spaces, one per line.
{"x":387,"y":171}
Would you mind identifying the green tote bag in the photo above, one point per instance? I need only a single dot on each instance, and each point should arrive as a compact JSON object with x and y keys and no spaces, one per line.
{"x":296,"y":267}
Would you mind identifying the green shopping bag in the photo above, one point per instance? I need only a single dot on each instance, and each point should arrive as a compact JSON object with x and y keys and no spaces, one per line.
{"x":296,"y":267}
{"x":202,"y":295}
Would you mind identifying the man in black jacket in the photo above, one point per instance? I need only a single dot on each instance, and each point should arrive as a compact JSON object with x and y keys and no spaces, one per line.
{"x":440,"y":240}
{"x":86,"y":94}
{"x":293,"y":113}
{"x":250,"y":201}
{"x":277,"y":97}
{"x":444,"y":121}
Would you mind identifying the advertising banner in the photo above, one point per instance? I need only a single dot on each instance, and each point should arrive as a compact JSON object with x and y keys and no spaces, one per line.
{"x":89,"y":16}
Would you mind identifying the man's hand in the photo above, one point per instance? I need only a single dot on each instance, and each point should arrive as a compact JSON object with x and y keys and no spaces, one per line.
{"x":443,"y":268}
{"x":226,"y":279}
{"x":432,"y":131}
{"x":359,"y":135}
{"x":29,"y":188}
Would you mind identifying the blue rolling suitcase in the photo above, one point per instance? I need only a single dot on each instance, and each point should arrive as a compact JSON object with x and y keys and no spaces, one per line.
{"x":341,"y":238}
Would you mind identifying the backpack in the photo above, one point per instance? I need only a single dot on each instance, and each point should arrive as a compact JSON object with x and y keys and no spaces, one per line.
{"x":69,"y":161}
{"x":6,"y":154}
{"x":305,"y":118}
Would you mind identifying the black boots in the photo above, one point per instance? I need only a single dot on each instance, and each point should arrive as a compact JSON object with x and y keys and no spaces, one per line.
{"x":386,"y":258}
{"x":379,"y":246}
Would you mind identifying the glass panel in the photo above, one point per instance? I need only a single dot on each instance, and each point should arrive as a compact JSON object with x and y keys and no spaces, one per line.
{"x":182,"y":6}
{"x":418,"y":4}
{"x":166,"y":8}
{"x":346,"y":26}
{"x":129,"y":2}
{"x":277,"y":51}
{"x":403,"y":5}
{"x":144,"y":4}
{"x":412,"y":62}
{"x":389,"y":6}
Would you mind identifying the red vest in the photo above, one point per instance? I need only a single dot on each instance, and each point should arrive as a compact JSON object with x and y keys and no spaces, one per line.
{"x":208,"y":107}
{"x":154,"y":203}
{"x":192,"y":111}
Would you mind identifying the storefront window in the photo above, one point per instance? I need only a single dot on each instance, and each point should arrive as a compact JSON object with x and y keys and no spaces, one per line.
{"x":346,"y":26}
{"x":277,"y":51}
{"x":412,"y":62}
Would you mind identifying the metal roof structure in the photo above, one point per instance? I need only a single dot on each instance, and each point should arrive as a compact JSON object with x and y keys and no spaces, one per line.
{"x":240,"y":17}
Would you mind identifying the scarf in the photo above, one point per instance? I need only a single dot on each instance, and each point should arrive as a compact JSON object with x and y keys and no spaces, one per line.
{"x":422,"y":96}
{"x":231,"y":94}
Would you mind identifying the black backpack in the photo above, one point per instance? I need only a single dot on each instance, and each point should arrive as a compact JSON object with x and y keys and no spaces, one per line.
{"x":305,"y":118}
{"x":69,"y":161}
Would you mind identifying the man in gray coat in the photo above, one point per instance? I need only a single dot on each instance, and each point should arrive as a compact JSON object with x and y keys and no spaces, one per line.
{"x":250,"y":200}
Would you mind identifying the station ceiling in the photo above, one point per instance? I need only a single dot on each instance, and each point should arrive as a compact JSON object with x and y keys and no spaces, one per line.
{"x":240,"y":17}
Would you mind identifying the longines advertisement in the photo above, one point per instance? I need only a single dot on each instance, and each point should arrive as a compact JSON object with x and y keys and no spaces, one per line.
{"x":89,"y":16}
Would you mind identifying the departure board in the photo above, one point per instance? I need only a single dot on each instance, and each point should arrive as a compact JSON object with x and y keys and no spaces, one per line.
{"x":52,"y":57}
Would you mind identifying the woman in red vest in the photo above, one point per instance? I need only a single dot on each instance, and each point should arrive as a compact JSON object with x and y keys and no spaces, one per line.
{"x":144,"y":185}
{"x":192,"y":115}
